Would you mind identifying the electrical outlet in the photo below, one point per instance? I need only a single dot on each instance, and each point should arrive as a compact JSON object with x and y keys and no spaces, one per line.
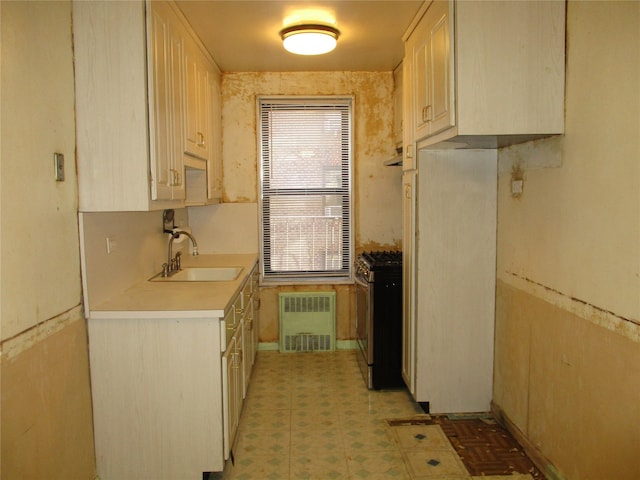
{"x":112,"y":244}
{"x":58,"y":160}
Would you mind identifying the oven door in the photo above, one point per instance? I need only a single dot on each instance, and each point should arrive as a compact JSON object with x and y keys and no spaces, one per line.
{"x":364,"y":318}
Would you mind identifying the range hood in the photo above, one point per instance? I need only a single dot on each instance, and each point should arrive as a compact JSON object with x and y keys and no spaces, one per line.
{"x":396,"y":160}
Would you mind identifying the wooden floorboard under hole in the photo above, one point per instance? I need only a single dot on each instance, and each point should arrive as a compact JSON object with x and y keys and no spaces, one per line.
{"x":485,"y":447}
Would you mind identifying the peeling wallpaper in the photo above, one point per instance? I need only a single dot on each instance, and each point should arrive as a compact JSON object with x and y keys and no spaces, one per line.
{"x":377,"y":188}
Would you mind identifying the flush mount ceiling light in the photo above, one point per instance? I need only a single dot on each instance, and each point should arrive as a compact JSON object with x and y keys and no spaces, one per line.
{"x":309,"y":39}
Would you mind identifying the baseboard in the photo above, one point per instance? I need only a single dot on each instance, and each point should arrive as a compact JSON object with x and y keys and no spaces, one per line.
{"x":544,"y":465}
{"x":346,"y":344}
{"x":340,"y":345}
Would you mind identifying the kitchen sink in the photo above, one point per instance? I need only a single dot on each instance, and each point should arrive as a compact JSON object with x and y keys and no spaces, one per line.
{"x":200,"y":274}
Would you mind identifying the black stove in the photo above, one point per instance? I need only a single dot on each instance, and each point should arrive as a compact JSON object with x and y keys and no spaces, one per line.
{"x":379,"y":317}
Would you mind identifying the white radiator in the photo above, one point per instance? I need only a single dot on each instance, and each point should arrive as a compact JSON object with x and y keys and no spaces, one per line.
{"x":307,"y":321}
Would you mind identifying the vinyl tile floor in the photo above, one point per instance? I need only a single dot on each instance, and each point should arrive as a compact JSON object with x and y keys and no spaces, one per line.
{"x":310,"y":416}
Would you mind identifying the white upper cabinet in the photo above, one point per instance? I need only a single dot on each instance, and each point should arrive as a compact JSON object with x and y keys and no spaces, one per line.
{"x":134,"y":105}
{"x":484,"y":74}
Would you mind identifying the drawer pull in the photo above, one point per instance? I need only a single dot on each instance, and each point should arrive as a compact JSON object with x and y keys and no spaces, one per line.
{"x":426,"y":113}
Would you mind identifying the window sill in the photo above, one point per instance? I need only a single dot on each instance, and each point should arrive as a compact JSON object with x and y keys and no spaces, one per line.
{"x":276,"y":282}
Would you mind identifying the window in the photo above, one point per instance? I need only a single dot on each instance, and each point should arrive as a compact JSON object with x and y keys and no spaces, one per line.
{"x":305,"y":201}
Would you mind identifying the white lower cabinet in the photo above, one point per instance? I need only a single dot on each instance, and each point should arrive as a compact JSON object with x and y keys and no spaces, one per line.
{"x":168,"y":392}
{"x":157,"y":403}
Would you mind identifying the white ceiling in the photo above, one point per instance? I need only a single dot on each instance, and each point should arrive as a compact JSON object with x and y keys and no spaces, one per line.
{"x":243,"y":35}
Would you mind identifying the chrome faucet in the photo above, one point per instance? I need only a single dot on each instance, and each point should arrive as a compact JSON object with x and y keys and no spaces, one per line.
{"x":173,"y":263}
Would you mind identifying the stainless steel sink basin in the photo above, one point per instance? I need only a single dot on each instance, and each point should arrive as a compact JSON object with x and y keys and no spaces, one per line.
{"x":201,"y":274}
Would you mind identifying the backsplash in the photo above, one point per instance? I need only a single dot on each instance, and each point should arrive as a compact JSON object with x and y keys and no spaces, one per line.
{"x":226,"y":227}
{"x":120,"y":249}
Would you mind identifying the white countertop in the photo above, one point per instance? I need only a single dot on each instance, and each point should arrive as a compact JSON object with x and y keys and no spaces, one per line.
{"x":148,"y":299}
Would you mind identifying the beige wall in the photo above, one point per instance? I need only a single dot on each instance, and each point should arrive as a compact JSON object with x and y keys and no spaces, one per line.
{"x":377,"y":199}
{"x":567,"y":364}
{"x":46,"y":408}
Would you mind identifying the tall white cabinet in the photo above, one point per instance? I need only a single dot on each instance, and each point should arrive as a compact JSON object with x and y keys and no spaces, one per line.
{"x":449,"y":260}
{"x":476,"y":76}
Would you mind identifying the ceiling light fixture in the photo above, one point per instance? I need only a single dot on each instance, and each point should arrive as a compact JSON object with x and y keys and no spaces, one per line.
{"x":309,"y":39}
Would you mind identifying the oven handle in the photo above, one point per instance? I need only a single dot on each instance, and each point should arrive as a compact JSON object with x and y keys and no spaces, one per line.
{"x":362,"y":282}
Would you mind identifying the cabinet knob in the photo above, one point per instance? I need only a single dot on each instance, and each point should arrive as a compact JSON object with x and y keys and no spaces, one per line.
{"x":200,"y":139}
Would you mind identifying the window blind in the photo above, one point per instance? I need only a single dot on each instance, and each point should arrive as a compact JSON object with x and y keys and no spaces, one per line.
{"x":305,"y":151}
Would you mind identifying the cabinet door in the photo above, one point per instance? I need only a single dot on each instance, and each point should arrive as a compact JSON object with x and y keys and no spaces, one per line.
{"x":166,"y":106}
{"x":229,"y":404}
{"x":238,"y":371}
{"x":421,"y":86}
{"x":176,"y":170}
{"x":196,"y":91}
{"x":431,"y":79}
{"x":161,"y":138}
{"x":256,"y":310}
{"x":247,"y":341}
{"x":242,"y":311}
{"x":408,"y":276}
{"x":441,"y":113}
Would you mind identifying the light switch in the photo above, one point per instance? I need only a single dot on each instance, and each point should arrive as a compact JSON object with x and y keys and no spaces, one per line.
{"x":112,"y":244}
{"x":58,"y":159}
